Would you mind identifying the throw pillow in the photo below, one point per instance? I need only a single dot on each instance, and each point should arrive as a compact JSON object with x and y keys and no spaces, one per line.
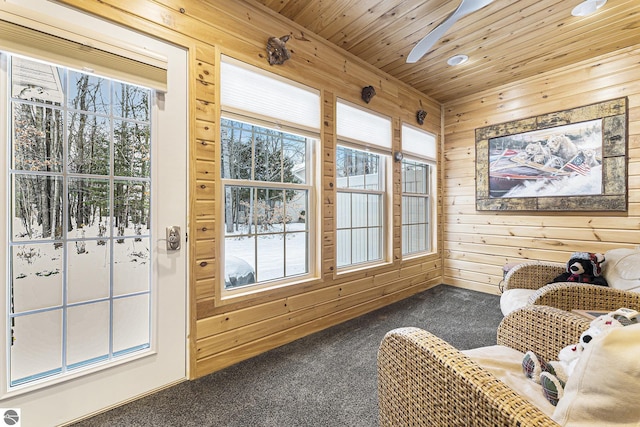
{"x":604,"y":389}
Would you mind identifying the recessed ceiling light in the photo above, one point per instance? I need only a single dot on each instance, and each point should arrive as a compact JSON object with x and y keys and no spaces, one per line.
{"x":587,"y":7}
{"x":457,"y":60}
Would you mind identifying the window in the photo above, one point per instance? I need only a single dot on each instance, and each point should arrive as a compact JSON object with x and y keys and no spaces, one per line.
{"x":361,"y":177}
{"x":417,"y":173}
{"x":80,"y":184}
{"x":267,"y":197}
{"x":415,"y":207}
{"x":269,"y":134}
{"x":360,"y":202}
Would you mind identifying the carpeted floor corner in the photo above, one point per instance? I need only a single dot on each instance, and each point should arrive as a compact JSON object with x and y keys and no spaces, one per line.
{"x":325,"y":379}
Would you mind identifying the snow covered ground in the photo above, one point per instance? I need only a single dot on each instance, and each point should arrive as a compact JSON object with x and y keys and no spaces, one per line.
{"x":39,"y":292}
{"x":273,"y":250}
{"x":95,"y":272}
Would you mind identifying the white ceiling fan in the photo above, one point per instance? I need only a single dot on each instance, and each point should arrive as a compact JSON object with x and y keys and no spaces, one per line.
{"x":466,"y":7}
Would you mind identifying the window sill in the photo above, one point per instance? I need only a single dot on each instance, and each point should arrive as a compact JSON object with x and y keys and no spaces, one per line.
{"x":266,"y":292}
{"x":358,"y":268}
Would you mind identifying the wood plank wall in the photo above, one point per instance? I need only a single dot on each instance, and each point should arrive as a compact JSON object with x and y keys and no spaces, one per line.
{"x":477,"y":244}
{"x":222,"y":335}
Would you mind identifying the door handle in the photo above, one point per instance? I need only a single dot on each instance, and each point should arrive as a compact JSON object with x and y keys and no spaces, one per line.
{"x":173,"y":238}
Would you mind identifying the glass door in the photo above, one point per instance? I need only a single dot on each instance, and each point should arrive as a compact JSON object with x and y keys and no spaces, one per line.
{"x":80,"y":220}
{"x":94,"y":171}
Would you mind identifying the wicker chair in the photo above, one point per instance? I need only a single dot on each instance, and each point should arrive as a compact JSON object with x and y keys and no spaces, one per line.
{"x":566,"y":295}
{"x":424,"y":381}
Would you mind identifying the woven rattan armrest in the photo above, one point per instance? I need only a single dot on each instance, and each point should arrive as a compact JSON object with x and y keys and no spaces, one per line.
{"x":424,"y":381}
{"x":545,"y":330}
{"x":532,"y":275}
{"x":572,"y":296}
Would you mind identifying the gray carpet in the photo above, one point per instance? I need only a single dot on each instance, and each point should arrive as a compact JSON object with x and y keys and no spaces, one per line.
{"x":325,"y":379}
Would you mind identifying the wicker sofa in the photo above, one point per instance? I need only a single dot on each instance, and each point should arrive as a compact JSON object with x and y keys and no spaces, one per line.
{"x":424,"y":381}
{"x":530,"y":283}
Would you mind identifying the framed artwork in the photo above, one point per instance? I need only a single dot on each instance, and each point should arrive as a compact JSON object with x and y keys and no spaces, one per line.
{"x":572,"y":160}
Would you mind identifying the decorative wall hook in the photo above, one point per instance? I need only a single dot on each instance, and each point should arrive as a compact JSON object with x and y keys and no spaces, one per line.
{"x":368,"y":92}
{"x":420,"y":116}
{"x":277,"y":52}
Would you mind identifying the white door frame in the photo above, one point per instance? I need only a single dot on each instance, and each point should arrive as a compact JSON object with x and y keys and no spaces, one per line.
{"x":76,"y":398}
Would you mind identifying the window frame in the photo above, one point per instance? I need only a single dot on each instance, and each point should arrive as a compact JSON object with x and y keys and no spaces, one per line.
{"x":264,"y":99}
{"x":427,"y":155}
{"x":310,"y":186}
{"x":380,"y":193}
{"x":427,"y":196}
{"x":70,"y":371}
{"x":386,"y":197}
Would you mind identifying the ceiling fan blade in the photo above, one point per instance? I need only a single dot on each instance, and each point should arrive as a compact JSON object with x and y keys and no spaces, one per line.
{"x":423,"y":46}
{"x":466,"y":7}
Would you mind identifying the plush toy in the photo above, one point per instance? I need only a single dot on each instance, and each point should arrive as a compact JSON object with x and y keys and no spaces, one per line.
{"x":553,"y":375}
{"x":584,"y":267}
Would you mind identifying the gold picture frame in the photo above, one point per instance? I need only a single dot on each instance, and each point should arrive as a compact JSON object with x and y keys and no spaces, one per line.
{"x":571,"y":160}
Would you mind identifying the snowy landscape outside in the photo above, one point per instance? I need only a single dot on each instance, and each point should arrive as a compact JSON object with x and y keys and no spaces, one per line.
{"x":79,"y":246}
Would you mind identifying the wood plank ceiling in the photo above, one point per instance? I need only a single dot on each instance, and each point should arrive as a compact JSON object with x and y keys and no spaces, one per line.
{"x":506,"y":41}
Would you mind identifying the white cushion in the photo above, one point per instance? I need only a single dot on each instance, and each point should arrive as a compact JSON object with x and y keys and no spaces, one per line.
{"x":604,"y":389}
{"x":506,"y":364}
{"x":512,"y":299}
{"x":622,"y":269}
